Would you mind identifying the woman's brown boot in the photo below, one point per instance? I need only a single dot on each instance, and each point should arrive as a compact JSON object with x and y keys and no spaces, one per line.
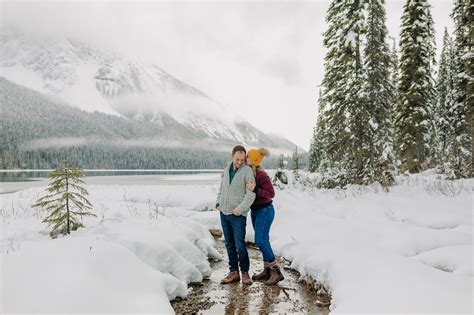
{"x":264,"y":275}
{"x":275,"y":276}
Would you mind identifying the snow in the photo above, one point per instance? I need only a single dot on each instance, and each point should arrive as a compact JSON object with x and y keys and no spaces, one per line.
{"x":405,"y":250}
{"x":376,"y":250}
{"x":350,"y":39}
{"x":455,"y":259}
{"x":83,"y":93}
{"x":131,"y":258}
{"x":20,"y":75}
{"x":83,"y":274}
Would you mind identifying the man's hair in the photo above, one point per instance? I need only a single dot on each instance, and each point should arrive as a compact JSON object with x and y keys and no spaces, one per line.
{"x":238,"y":148}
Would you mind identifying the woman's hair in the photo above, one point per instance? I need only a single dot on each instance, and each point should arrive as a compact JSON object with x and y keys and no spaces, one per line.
{"x":255,"y":169}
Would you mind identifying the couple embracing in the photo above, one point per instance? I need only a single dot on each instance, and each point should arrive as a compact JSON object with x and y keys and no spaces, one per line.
{"x":245,"y":187}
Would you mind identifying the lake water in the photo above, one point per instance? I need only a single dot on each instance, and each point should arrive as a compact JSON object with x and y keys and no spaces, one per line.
{"x":11,"y":181}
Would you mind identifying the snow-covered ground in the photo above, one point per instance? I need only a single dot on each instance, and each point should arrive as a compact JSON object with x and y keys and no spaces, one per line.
{"x":407,"y":250}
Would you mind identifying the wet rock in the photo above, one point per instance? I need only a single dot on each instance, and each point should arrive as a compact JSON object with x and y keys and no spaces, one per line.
{"x":216,"y":233}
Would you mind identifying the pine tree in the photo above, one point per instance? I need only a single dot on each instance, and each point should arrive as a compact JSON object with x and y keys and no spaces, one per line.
{"x":469,"y":66}
{"x":459,"y":147}
{"x":378,"y":91}
{"x":416,"y":92}
{"x":316,"y":149}
{"x":342,"y":117}
{"x":296,"y":162}
{"x":281,"y":162}
{"x":445,"y":101}
{"x":315,"y":152}
{"x":394,"y":69}
{"x":395,"y":79}
{"x":432,"y":137}
{"x":65,"y":199}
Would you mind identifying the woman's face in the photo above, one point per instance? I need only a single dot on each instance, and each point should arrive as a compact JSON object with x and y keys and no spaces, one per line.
{"x":247,"y":161}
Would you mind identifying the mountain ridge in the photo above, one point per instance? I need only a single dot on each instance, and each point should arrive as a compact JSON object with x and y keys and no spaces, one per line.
{"x":92,"y":80}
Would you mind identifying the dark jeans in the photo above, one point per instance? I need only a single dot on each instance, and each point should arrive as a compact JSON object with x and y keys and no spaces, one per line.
{"x":233,"y":227}
{"x":262,"y":220}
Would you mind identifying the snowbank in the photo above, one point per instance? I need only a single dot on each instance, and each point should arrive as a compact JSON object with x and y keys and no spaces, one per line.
{"x":406,"y":250}
{"x":131,"y":258}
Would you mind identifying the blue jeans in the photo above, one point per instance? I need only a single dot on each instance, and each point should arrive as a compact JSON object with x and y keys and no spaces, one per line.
{"x":262,"y":220}
{"x":233,"y":227}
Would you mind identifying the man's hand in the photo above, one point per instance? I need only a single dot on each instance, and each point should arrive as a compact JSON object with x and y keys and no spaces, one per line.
{"x":219,"y":209}
{"x":250,"y":186}
{"x":222,"y":174}
{"x":235,"y":212}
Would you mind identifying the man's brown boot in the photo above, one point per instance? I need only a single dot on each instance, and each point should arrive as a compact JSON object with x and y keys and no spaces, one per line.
{"x":264,"y":275}
{"x":246,"y":278}
{"x":275,"y":276}
{"x":233,"y":276}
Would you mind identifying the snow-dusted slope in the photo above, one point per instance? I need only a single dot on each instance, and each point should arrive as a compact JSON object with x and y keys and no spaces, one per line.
{"x":95,"y":81}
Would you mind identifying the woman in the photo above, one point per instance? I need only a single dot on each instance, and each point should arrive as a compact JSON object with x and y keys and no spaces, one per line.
{"x":262,"y":214}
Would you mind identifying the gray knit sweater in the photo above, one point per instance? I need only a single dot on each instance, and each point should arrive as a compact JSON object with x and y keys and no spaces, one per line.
{"x":235,"y":195}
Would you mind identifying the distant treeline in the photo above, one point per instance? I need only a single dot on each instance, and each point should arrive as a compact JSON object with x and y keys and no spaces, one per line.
{"x":36,"y":133}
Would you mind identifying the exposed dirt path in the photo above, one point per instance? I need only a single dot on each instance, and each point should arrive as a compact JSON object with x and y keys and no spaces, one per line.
{"x":211,"y":297}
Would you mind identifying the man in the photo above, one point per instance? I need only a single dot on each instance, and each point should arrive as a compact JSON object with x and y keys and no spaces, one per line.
{"x":233,"y":203}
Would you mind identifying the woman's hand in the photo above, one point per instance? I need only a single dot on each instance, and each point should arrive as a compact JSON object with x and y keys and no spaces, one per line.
{"x":222,"y":174}
{"x":235,"y":212}
{"x":250,"y":186}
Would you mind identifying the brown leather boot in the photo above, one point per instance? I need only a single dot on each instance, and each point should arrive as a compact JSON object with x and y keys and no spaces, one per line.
{"x":275,"y":276}
{"x":246,"y":278}
{"x":233,"y":276}
{"x":264,"y":275}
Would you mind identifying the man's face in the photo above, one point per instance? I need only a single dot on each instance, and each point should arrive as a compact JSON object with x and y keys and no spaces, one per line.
{"x":238,"y":159}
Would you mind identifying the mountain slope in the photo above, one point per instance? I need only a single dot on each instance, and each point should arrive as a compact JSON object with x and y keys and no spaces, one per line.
{"x":36,"y":132}
{"x":95,"y":81}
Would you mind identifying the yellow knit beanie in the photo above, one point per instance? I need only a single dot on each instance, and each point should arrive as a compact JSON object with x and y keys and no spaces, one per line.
{"x":255,"y":156}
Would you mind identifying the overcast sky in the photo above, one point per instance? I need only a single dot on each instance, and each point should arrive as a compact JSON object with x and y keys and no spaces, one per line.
{"x":263,"y":58}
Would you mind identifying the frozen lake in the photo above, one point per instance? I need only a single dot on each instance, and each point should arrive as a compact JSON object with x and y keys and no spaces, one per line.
{"x":11,"y":181}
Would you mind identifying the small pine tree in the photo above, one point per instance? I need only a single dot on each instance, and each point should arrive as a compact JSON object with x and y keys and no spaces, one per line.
{"x":296,"y":162}
{"x":281,"y":162}
{"x":317,"y":158}
{"x":280,"y":176}
{"x":65,"y":199}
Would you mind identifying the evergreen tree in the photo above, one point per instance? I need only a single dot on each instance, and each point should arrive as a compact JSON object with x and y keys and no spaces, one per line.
{"x":416,"y":92}
{"x":378,"y":91}
{"x":469,"y":66}
{"x":395,"y":79}
{"x":342,"y":117}
{"x":296,"y":162}
{"x":316,"y":149}
{"x":459,"y":146}
{"x":281,"y":164}
{"x":445,"y":101}
{"x":395,"y":73}
{"x":65,"y":199}
{"x":314,"y":152}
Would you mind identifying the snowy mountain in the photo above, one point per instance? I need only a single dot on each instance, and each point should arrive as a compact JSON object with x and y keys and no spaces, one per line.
{"x":92,"y":80}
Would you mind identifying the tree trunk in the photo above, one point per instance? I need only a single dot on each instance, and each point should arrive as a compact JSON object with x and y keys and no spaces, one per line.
{"x":67,"y":207}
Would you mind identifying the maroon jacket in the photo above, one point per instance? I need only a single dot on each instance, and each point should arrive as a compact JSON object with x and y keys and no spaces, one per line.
{"x":264,"y":191}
